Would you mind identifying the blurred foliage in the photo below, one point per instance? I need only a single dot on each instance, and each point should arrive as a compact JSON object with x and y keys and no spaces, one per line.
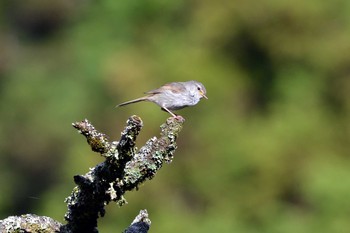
{"x":268,"y":152}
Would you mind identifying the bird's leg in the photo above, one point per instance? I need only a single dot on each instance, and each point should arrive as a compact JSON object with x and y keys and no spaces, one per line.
{"x":174,"y":115}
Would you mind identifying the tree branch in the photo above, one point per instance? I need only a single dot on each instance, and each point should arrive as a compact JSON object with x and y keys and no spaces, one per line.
{"x":123,"y":169}
{"x":140,"y":224}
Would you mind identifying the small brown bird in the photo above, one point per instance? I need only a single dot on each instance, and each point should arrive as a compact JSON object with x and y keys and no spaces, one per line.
{"x":174,"y":96}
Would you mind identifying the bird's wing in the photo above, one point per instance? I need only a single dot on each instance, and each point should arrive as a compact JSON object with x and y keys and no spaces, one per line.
{"x":174,"y":87}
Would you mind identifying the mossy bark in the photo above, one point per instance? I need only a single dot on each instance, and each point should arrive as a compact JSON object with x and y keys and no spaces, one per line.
{"x":124,"y":169}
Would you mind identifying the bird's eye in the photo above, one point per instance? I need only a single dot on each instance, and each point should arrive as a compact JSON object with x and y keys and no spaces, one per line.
{"x":198,"y":88}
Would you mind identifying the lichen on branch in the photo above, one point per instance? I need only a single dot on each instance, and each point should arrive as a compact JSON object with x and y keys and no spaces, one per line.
{"x":124,"y":169}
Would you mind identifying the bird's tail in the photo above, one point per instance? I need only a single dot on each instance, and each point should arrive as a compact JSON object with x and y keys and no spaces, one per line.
{"x":132,"y":101}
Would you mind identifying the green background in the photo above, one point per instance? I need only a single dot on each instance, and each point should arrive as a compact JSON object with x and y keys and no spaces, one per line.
{"x":268,"y":152}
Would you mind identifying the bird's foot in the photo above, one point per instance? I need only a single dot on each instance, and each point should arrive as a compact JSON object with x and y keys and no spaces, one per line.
{"x":179,"y":118}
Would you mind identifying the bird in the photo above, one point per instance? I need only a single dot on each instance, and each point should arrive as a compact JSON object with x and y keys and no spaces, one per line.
{"x":174,"y":96}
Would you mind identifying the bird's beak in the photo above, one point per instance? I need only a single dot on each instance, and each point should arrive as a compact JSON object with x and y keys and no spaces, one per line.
{"x":204,"y":96}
